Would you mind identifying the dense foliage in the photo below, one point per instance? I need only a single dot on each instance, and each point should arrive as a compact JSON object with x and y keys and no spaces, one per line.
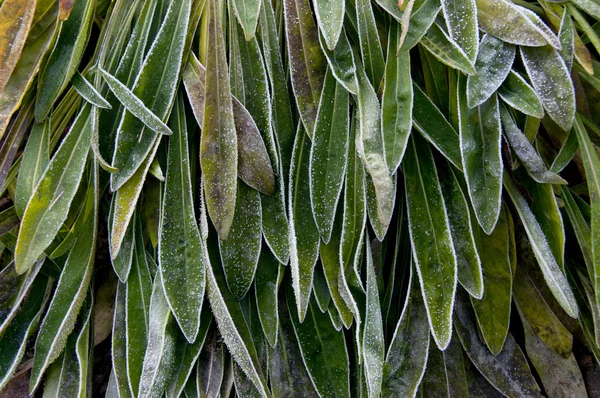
{"x":299,"y":197}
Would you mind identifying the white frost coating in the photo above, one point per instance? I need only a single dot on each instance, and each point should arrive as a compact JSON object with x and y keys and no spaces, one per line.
{"x":446,"y":50}
{"x":461,"y":21}
{"x":330,"y":19}
{"x":557,"y":282}
{"x":373,"y":344}
{"x":552,"y":83}
{"x":493,"y":65}
{"x":441,"y":341}
{"x":231,"y":336}
{"x":516,"y":92}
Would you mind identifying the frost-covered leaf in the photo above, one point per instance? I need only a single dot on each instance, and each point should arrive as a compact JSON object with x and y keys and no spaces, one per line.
{"x":461,"y":21}
{"x":431,"y":240}
{"x":516,"y":92}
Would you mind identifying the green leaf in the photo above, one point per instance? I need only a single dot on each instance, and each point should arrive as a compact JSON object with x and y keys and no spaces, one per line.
{"x":580,"y":226}
{"x":218,"y":146}
{"x":369,"y":145}
{"x":254,"y":165}
{"x":493,"y":309}
{"x":36,"y":46}
{"x":534,"y":310}
{"x":516,"y":92}
{"x":592,"y":172}
{"x":210,"y":367}
{"x":513,"y":24}
{"x":88,"y":92}
{"x":370,"y":46}
{"x":494,"y":62}
{"x":130,"y":324}
{"x":480,"y":141}
{"x":566,"y":35}
{"x":304,"y":235}
{"x":230,"y":319}
{"x":266,"y":284}
{"x":186,"y":355}
{"x":51,"y":199}
{"x":566,"y":153}
{"x":122,"y":261}
{"x":434,"y":126}
{"x":555,"y":279}
{"x":406,"y":358}
{"x":250,"y":85}
{"x":430,"y":237}
{"x":14,"y":338}
{"x":182,"y":267}
{"x":373,"y":343}
{"x":164,"y":59}
{"x":12,"y":141}
{"x":559,"y":375}
{"x":437,"y":42}
{"x":159,"y":359}
{"x":461,"y":21}
{"x":287,"y":373}
{"x":283,"y":123}
{"x":328,"y":154}
{"x":455,"y":370}
{"x":135,"y":105}
{"x":241,"y":251}
{"x":552,"y":83}
{"x":397,"y":102}
{"x":65,"y":57}
{"x":422,"y":16}
{"x":15,"y":20}
{"x":526,"y":152}
{"x":35,"y":158}
{"x":306,"y":61}
{"x":247,"y":13}
{"x":323,"y":350}
{"x":508,"y":371}
{"x":545,"y":208}
{"x":330,"y":19}
{"x":72,"y":286}
{"x":16,"y":288}
{"x":459,"y":216}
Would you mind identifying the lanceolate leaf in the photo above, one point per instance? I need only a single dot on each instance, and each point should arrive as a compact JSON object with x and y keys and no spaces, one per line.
{"x":437,"y":42}
{"x":371,"y":51}
{"x":592,"y":171}
{"x":434,"y":126}
{"x":218,"y":148}
{"x":494,"y":62}
{"x":517,"y":93}
{"x":513,"y":24}
{"x":88,"y":92}
{"x":247,"y":12}
{"x":65,"y":57}
{"x":330,"y":19}
{"x":526,"y":152}
{"x":553,"y":275}
{"x":16,"y":287}
{"x":431,"y":240}
{"x":241,"y":251}
{"x":304,"y":235}
{"x":406,"y":358}
{"x":323,"y":350}
{"x":397,"y":102}
{"x":373,"y":343}
{"x":480,"y":140}
{"x":159,"y":359}
{"x":459,"y":216}
{"x":164,"y":59}
{"x":228,"y":314}
{"x":328,"y":154}
{"x":493,"y":309}
{"x":369,"y":145}
{"x":72,"y":286}
{"x":44,"y":26}
{"x":266,"y":284}
{"x":182,"y":266}
{"x":14,"y":338}
{"x":306,"y":60}
{"x":15,"y":21}
{"x":34,"y":161}
{"x":550,"y":78}
{"x":508,"y":372}
{"x":461,"y":20}
{"x":50,"y":201}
